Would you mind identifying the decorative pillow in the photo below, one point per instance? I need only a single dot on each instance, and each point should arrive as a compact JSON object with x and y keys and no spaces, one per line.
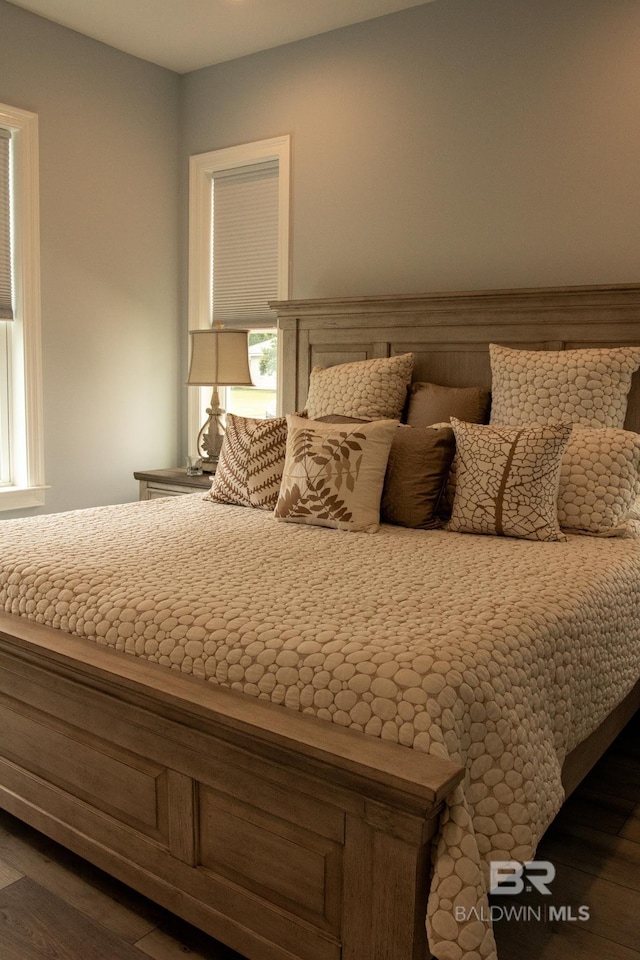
{"x":251,"y":460}
{"x":418,"y":465}
{"x":338,"y":418}
{"x":429,"y":403}
{"x":508,"y":479}
{"x":588,"y":386}
{"x":599,"y":481}
{"x":367,"y":389}
{"x":632,"y":529}
{"x":334,"y":473}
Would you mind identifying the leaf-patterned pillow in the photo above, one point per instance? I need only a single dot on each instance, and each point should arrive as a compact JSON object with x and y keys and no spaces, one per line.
{"x":334,"y":473}
{"x":508,"y":479}
{"x":251,"y":461}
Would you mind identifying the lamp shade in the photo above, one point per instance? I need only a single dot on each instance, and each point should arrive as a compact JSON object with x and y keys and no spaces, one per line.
{"x":219,"y":358}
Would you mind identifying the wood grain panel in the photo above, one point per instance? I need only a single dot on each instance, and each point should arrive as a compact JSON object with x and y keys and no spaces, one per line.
{"x":163,"y":714}
{"x":451,"y":366}
{"x":182,"y":799}
{"x":286,"y":798}
{"x":249,"y":924}
{"x":275,"y":859}
{"x":332,"y":355}
{"x":447,"y":330}
{"x":85,"y":766}
{"x":385,"y":888}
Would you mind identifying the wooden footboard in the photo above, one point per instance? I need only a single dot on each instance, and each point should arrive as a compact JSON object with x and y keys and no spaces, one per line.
{"x":279,"y":834}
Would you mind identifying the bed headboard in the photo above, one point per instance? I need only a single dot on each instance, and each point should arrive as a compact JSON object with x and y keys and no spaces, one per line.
{"x":450,"y":332}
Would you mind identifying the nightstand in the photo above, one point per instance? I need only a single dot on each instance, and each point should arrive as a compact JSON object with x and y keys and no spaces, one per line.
{"x":170,"y":483}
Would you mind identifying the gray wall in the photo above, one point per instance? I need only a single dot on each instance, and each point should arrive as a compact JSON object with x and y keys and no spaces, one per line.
{"x":462,"y":144}
{"x":108,"y":127}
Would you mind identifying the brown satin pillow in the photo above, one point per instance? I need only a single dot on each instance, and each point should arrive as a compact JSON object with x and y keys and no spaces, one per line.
{"x":417,"y":470}
{"x":431,"y":403}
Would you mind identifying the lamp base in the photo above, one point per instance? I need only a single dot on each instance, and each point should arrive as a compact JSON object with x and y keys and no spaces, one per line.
{"x":211,"y":435}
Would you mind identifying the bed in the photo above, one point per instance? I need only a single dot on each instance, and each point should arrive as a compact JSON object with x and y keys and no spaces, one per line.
{"x":235,"y":803}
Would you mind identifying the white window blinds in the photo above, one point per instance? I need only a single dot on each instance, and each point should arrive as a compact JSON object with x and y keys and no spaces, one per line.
{"x":244,"y":273}
{"x":6,"y":300}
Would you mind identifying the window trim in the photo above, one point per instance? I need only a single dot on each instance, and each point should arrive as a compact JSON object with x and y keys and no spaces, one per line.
{"x":5,"y":406}
{"x":202,"y":168}
{"x":27,"y":441}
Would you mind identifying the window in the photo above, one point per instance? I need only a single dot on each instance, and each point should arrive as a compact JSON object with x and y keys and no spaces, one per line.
{"x":6,"y":306}
{"x":261,"y":400}
{"x":239,"y":260}
{"x":5,"y":407}
{"x":21,"y":438}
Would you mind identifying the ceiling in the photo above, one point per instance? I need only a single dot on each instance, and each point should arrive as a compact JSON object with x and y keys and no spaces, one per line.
{"x":185,"y":35}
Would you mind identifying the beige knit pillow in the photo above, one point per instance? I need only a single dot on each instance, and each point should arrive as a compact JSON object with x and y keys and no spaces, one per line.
{"x":587,"y":386}
{"x":508,"y":479}
{"x":334,"y":473}
{"x":599,"y":481}
{"x":251,"y":461}
{"x":367,"y":389}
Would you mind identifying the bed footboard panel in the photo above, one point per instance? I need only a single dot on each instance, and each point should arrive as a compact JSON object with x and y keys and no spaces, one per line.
{"x":278,"y":850}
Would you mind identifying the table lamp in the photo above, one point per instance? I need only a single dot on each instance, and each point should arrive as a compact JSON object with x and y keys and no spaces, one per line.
{"x":219,"y":358}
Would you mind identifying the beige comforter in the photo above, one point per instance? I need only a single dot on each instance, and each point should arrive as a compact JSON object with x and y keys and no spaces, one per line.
{"x":500,"y":654}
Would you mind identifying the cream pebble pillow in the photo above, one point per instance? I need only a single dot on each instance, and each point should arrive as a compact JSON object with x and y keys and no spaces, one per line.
{"x":587,"y":386}
{"x":367,"y":389}
{"x":508,"y":479}
{"x":599,"y":481}
{"x":334,"y":473}
{"x":251,"y":460}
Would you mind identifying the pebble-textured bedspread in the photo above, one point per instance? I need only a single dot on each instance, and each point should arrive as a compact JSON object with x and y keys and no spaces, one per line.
{"x":500,"y":654}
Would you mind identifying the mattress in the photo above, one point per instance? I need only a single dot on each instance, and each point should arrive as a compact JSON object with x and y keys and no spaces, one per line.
{"x":499,"y":654}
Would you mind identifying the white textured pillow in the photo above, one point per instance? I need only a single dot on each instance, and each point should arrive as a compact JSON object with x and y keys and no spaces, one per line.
{"x":334,"y":473}
{"x":599,"y":481}
{"x":507,"y":480}
{"x":367,"y":389}
{"x":251,"y":461}
{"x":587,"y":386}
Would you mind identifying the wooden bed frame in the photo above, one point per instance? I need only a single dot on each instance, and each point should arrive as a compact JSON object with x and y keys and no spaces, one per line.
{"x":279,"y":834}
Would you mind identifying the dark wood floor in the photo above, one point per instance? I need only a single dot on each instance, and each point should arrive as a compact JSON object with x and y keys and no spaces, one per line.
{"x":55,"y":906}
{"x":594,"y":844}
